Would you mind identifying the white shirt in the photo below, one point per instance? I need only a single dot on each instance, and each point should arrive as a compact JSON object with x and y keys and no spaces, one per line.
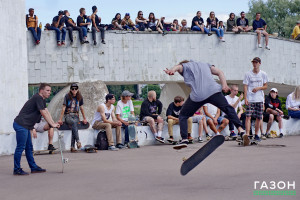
{"x":124,"y":109}
{"x":253,"y":80}
{"x":211,"y":109}
{"x":232,"y":101}
{"x":292,"y":103}
{"x":97,"y":115}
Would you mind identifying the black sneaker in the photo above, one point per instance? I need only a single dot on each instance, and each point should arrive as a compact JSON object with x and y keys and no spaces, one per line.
{"x":38,"y":170}
{"x":257,"y":138}
{"x":51,"y":147}
{"x":87,"y":42}
{"x":95,"y":43}
{"x":280,"y":135}
{"x":20,"y":172}
{"x":160,"y":139}
{"x":182,"y":144}
{"x":209,"y":34}
{"x":103,"y":42}
{"x":120,"y":146}
{"x":82,"y":42}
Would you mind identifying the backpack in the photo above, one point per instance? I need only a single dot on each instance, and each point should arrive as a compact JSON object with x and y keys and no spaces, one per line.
{"x":101,"y":141}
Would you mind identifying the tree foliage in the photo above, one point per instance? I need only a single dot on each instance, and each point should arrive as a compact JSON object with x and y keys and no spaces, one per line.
{"x":150,"y":87}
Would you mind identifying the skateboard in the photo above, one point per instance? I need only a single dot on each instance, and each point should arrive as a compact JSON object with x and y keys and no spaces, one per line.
{"x":40,"y":152}
{"x":133,"y":143}
{"x":81,"y":125}
{"x":63,"y":160}
{"x":90,"y":149}
{"x":252,"y":142}
{"x":201,"y":154}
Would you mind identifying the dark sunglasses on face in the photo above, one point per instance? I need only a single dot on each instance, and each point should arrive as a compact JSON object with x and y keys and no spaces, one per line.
{"x":74,"y":88}
{"x":141,"y":14}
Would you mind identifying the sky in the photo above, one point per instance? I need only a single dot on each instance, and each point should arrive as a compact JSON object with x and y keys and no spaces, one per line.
{"x":173,"y":9}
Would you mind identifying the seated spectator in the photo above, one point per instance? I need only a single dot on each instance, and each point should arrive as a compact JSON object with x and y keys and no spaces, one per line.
{"x":47,"y":27}
{"x":96,"y":21}
{"x":235,"y":102}
{"x":71,"y":25}
{"x":213,"y":25}
{"x":173,"y":117}
{"x":58,"y":26}
{"x":231,"y":25}
{"x":260,"y":27}
{"x":83,"y":22}
{"x":175,"y":25}
{"x":200,"y":118}
{"x":222,"y":26}
{"x":153,"y":24}
{"x":73,"y":101}
{"x":293,"y":103}
{"x":165,"y":26}
{"x":184,"y":26}
{"x":116,"y":22}
{"x":273,"y":111}
{"x":140,"y":21}
{"x":198,"y":24}
{"x":32,"y":25}
{"x":123,"y":110}
{"x":41,"y":127}
{"x":105,"y":118}
{"x":296,"y":31}
{"x":127,"y":23}
{"x":213,"y":118}
{"x":243,"y":24}
{"x":150,"y":110}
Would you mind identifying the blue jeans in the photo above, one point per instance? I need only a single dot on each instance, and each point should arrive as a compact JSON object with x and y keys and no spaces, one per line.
{"x":63,"y":31}
{"x":126,"y":133}
{"x":294,"y":114}
{"x":197,"y":28}
{"x":141,"y":26}
{"x":23,"y":143}
{"x":84,"y":30}
{"x":219,"y":32}
{"x":36,"y":35}
{"x":72,"y":120}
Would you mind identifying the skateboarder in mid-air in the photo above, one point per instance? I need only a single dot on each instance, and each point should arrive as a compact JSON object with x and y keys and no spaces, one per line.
{"x":204,"y":89}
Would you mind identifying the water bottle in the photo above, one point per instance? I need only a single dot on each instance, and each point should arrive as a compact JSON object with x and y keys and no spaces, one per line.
{"x":40,"y":25}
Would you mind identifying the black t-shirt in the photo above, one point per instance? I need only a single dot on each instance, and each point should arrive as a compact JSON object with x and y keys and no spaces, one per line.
{"x":97,"y":21}
{"x":67,"y":21}
{"x":150,"y":108}
{"x":196,"y":19}
{"x":173,"y":110}
{"x":30,"y":113}
{"x":213,"y":23}
{"x":72,"y":105}
{"x":81,"y":20}
{"x":61,"y":22}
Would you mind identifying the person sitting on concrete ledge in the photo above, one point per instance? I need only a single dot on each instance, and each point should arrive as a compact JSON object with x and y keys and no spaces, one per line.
{"x":273,"y":111}
{"x":212,"y":22}
{"x":83,"y":22}
{"x":150,"y":110}
{"x":200,"y":118}
{"x":198,"y":24}
{"x":128,"y":24}
{"x":243,"y":24}
{"x":293,"y":103}
{"x":296,"y":31}
{"x":153,"y":24}
{"x":214,"y":118}
{"x":231,"y":24}
{"x":123,"y":110}
{"x":58,"y":26}
{"x":105,"y":118}
{"x":172,"y":114}
{"x":175,"y":25}
{"x":260,"y":27}
{"x":140,"y":21}
{"x":73,"y":101}
{"x":116,"y":22}
{"x":41,"y":127}
{"x":71,"y":25}
{"x":96,"y":21}
{"x":32,"y":25}
{"x":184,"y":26}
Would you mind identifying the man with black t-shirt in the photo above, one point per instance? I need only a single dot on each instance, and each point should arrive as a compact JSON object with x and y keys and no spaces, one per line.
{"x":71,"y":25}
{"x":83,"y":22}
{"x":58,"y":26}
{"x":198,"y":24}
{"x":29,"y":115}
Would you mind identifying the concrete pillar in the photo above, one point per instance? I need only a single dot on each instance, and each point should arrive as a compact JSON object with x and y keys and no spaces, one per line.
{"x":13,"y":56}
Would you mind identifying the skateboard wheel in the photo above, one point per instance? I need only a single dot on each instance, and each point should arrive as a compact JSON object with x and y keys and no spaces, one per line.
{"x":184,"y":159}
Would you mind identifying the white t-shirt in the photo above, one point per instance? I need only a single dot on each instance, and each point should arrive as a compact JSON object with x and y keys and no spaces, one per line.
{"x":124,"y":109}
{"x":97,"y":115}
{"x":211,"y":109}
{"x":255,"y":80}
{"x":291,"y":103}
{"x":232,"y":101}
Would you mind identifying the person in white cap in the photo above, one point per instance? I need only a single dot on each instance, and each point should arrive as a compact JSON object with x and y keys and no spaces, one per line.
{"x":273,"y":111}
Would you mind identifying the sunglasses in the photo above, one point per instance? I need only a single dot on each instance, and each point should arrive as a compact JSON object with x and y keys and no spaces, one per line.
{"x":140,"y":14}
{"x":74,"y":88}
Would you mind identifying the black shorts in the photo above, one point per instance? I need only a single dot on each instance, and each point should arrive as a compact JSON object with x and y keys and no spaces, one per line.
{"x":266,"y":117}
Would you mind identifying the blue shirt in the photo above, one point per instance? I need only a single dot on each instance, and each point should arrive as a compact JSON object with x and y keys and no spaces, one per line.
{"x":258,"y":24}
{"x":61,"y":21}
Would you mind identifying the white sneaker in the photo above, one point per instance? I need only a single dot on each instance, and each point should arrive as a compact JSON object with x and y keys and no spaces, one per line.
{"x":149,"y":29}
{"x":259,"y":46}
{"x":223,"y":40}
{"x":267,"y":47}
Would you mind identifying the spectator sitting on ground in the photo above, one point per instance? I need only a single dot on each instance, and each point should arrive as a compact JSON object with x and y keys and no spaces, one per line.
{"x":58,"y":26}
{"x":198,"y":24}
{"x":123,"y":110}
{"x":83,"y":22}
{"x":273,"y":110}
{"x":213,"y":25}
{"x":296,"y":31}
{"x":293,"y":103}
{"x":243,"y":24}
{"x":150,"y":110}
{"x":153,"y":23}
{"x":128,"y":24}
{"x":140,"y":21}
{"x":172,"y":114}
{"x":41,"y":127}
{"x":32,"y":25}
{"x":260,"y":27}
{"x":116,"y":22}
{"x":73,"y":101}
{"x":231,"y":25}
{"x":222,"y":26}
{"x":184,"y":26}
{"x":175,"y":25}
{"x":105,"y":118}
{"x":200,"y":118}
{"x":71,"y":25}
{"x":214,"y":118}
{"x":96,"y":22}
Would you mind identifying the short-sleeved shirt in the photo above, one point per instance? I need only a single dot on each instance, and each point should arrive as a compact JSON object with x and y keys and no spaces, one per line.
{"x":61,"y":22}
{"x":173,"y":110}
{"x":211,"y":109}
{"x":253,"y":80}
{"x":258,"y":24}
{"x":198,"y":77}
{"x":72,"y":105}
{"x":31,"y":21}
{"x":232,"y":101}
{"x":242,"y":22}
{"x":196,"y":19}
{"x":68,"y":20}
{"x":212,"y":23}
{"x":30,"y":113}
{"x":230,"y":24}
{"x":81,"y":20}
{"x":124,"y":109}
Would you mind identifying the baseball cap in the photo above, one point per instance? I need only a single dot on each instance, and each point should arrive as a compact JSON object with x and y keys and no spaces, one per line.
{"x":274,"y":89}
{"x":256,"y":59}
{"x":60,"y":12}
{"x":109,"y":97}
{"x":127,"y":14}
{"x":73,"y":85}
{"x":126,"y":93}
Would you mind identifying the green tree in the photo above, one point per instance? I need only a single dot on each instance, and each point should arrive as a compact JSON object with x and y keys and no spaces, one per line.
{"x":280,"y":15}
{"x":149,"y":87}
{"x":118,"y":89}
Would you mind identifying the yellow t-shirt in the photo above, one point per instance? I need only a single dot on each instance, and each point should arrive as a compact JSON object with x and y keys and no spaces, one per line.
{"x":31,"y":21}
{"x":296,"y":31}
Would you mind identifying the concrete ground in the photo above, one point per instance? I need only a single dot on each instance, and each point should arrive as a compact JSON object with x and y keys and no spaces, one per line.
{"x":152,"y":172}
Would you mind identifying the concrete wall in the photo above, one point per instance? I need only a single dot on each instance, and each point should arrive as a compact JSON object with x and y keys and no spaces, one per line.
{"x":13,"y":57}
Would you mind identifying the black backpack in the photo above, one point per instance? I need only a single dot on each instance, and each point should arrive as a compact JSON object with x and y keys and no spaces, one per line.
{"x":101,"y":142}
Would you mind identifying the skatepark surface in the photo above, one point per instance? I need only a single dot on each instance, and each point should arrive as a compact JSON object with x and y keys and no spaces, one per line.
{"x":152,"y":172}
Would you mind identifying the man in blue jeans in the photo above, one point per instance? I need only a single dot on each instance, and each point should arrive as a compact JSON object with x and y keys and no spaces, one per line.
{"x":198,"y":24}
{"x":83,"y":22}
{"x":32,"y":25}
{"x":204,"y":89}
{"x":58,"y":25}
{"x":29,"y":115}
